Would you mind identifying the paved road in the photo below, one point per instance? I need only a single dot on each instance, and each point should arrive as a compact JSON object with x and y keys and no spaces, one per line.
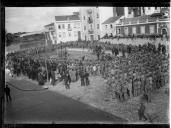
{"x":47,"y":107}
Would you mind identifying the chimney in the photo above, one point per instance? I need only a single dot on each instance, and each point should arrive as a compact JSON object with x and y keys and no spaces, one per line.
{"x":114,"y":12}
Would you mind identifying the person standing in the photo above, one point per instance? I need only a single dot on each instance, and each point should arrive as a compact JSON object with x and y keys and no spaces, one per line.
{"x":7,"y":92}
{"x":141,"y":112}
{"x":87,"y":81}
{"x":67,"y":80}
{"x":82,"y":78}
{"x":53,"y":77}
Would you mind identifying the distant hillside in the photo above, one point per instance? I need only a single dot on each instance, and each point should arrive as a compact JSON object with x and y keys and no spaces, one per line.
{"x":32,"y":38}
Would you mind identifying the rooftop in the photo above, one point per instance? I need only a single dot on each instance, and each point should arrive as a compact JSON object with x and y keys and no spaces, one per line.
{"x":111,"y":20}
{"x":141,"y":19}
{"x":67,"y":17}
{"x":51,"y":24}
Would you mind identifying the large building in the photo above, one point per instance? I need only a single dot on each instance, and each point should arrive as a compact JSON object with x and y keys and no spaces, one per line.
{"x":68,"y":28}
{"x":144,"y":20}
{"x":50,"y":34}
{"x":109,"y":26}
{"x":65,"y":28}
{"x":82,"y":25}
{"x":90,"y":21}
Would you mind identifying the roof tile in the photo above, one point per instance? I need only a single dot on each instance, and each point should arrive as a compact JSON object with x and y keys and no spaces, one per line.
{"x":111,"y":20}
{"x":67,"y":17}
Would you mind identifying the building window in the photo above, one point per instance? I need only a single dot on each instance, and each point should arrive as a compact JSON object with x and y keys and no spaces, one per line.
{"x":59,"y":34}
{"x":129,"y":10}
{"x":106,"y":26}
{"x":84,"y":17}
{"x":151,"y":29}
{"x":111,"y":26}
{"x":75,"y":25}
{"x":63,"y":26}
{"x":64,"y":35}
{"x":133,"y":30}
{"x":59,"y":26}
{"x":97,"y":15}
{"x":69,"y":26}
{"x":143,"y":10}
{"x":149,"y":8}
{"x":69,"y":34}
{"x":155,"y":8}
{"x":91,"y":26}
{"x":142,"y":29}
{"x":97,"y":26}
{"x":75,"y":34}
{"x":84,"y":27}
{"x":118,"y":31}
{"x":98,"y":37}
{"x":126,"y":30}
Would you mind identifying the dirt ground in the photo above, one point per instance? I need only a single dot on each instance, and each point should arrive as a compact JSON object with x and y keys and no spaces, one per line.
{"x":95,"y":95}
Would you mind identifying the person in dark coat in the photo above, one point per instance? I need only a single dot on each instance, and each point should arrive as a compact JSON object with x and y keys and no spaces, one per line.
{"x":67,"y":80}
{"x":164,"y":50}
{"x":77,"y":75}
{"x":141,"y":112}
{"x":159,"y":48}
{"x":7,"y":92}
{"x":86,"y":76}
{"x":53,"y":77}
{"x":146,"y":97}
{"x":116,"y":52}
{"x":41,"y":78}
{"x":82,"y":78}
{"x":123,"y":52}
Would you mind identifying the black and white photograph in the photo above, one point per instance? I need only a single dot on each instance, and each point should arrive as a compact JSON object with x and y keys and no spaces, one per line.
{"x":87,"y":65}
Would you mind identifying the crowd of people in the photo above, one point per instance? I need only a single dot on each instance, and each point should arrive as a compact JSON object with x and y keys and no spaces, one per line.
{"x":142,"y":71}
{"x":46,"y":69}
{"x":138,"y":72}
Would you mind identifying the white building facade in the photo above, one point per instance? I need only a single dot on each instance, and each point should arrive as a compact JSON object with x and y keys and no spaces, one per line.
{"x":90,"y":21}
{"x":109,"y":26}
{"x":50,"y":34}
{"x":82,"y":25}
{"x":68,"y":28}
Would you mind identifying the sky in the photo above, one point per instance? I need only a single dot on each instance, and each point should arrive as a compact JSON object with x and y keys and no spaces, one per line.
{"x":28,"y":19}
